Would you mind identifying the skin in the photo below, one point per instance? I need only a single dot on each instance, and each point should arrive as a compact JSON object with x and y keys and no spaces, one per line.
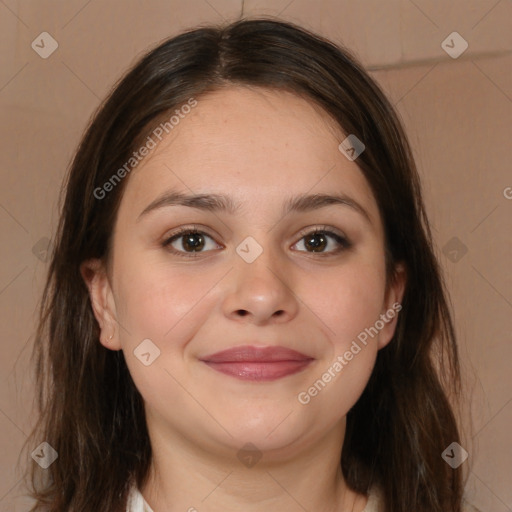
{"x":259,"y":147}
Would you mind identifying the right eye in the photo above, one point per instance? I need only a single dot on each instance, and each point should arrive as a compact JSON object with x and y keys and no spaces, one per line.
{"x":190,"y":241}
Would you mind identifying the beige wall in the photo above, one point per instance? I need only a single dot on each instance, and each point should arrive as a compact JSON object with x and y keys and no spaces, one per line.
{"x":458,"y":114}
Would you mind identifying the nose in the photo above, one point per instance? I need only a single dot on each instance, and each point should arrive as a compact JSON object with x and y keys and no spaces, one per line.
{"x":262,"y":291}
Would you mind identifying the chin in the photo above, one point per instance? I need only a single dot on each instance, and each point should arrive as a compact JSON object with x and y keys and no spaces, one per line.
{"x":265,"y":437}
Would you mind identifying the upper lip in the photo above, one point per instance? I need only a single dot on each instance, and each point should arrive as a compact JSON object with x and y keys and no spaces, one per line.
{"x":255,"y":354}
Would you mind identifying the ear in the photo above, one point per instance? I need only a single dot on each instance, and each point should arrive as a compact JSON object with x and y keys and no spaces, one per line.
{"x":392,"y":305}
{"x":102,"y":300}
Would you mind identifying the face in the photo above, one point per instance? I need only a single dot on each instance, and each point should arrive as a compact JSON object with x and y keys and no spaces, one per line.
{"x":309,"y":279}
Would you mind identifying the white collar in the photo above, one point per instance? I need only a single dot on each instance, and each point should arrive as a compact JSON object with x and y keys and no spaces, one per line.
{"x":136,"y":502}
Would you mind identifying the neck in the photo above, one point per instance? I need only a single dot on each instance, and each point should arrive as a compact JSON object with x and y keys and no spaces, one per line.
{"x":186,"y":477}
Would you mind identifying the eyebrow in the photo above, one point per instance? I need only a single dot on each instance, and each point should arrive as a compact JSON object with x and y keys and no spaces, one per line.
{"x":222,"y":203}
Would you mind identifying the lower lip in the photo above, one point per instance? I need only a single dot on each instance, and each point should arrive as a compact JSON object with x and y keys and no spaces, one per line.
{"x":259,"y":371}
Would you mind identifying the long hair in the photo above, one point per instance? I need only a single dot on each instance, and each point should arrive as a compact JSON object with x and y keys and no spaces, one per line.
{"x":90,"y":411}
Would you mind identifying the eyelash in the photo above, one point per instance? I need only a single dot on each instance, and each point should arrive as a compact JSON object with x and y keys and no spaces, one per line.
{"x":341,"y":240}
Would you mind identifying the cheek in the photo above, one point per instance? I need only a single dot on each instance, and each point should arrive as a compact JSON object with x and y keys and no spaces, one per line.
{"x":165,"y":306}
{"x":153,"y":302}
{"x":160,"y":302}
{"x":353,"y":302}
{"x":353,"y":305}
{"x":348,"y":300}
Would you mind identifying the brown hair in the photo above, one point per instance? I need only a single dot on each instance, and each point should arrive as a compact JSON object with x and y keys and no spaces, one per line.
{"x":90,"y":411}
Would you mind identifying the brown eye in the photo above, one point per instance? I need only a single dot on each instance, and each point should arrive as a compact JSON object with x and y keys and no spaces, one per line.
{"x":193,"y":241}
{"x":187,"y":241}
{"x":318,"y":240}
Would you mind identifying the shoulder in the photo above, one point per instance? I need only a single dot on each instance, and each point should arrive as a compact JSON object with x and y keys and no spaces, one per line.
{"x":376,"y":503}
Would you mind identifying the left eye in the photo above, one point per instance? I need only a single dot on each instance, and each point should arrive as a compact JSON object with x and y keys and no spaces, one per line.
{"x":317,"y":241}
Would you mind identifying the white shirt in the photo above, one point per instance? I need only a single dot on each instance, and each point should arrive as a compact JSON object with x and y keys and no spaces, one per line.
{"x":137,"y":503}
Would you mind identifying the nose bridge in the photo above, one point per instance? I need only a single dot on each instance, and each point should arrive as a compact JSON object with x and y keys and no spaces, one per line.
{"x":261,"y":283}
{"x":257,"y":262}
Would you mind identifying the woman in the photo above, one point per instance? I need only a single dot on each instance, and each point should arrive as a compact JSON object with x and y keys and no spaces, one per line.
{"x":243,"y":309}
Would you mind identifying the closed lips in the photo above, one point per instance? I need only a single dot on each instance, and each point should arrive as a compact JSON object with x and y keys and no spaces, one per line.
{"x":254,"y":354}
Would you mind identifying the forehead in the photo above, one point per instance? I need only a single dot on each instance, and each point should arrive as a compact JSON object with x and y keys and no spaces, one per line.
{"x":254,"y":144}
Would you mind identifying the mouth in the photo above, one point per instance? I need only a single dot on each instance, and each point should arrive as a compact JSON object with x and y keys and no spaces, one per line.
{"x":258,"y":364}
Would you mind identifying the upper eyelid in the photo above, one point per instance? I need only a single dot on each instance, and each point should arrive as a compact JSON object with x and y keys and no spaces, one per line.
{"x":322,"y":228}
{"x":204,"y":230}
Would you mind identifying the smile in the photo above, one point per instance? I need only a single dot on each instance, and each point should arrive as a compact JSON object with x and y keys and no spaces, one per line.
{"x":258,"y":364}
{"x":260,"y":371}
